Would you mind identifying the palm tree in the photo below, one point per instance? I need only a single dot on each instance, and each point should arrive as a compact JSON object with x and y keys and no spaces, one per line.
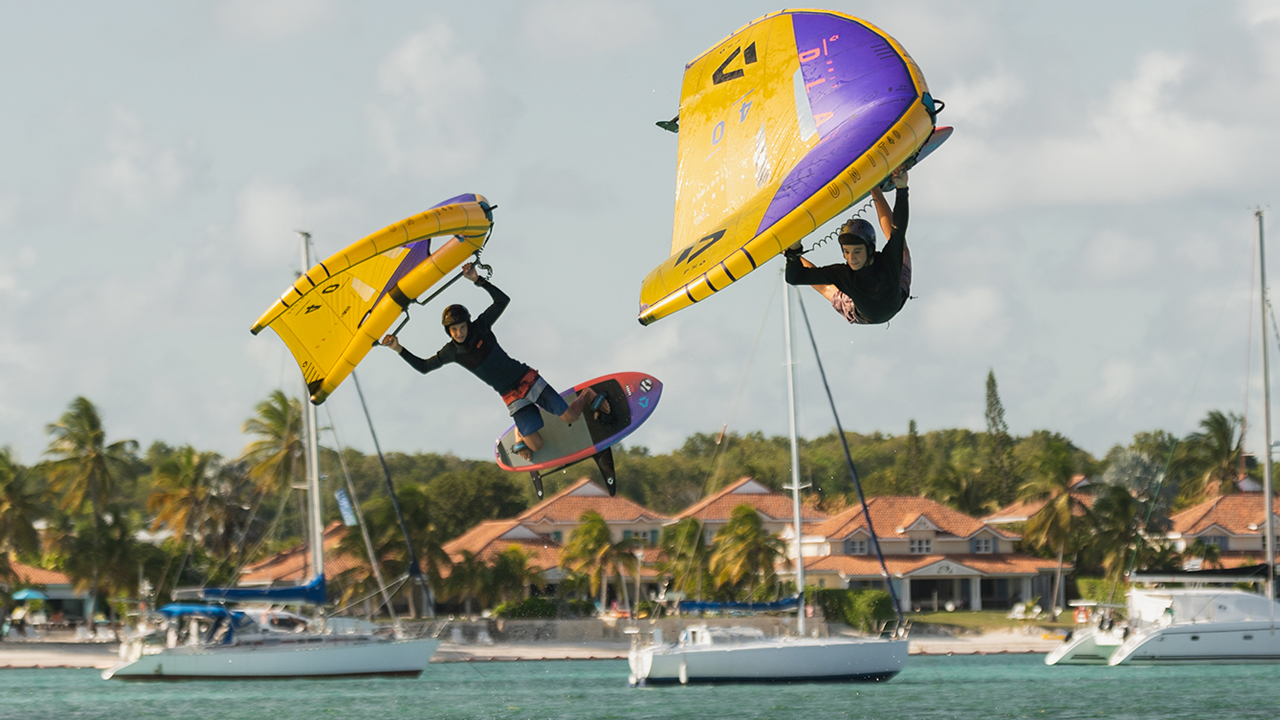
{"x":1114,"y":523}
{"x":512,"y":574}
{"x":1218,"y":450}
{"x":389,"y":542}
{"x":20,"y":506}
{"x":1056,"y":523}
{"x":470,"y":579}
{"x":685,"y":556}
{"x":744,"y":551}
{"x":181,"y":490}
{"x":591,"y":550}
{"x":83,"y":468}
{"x":275,"y":458}
{"x":959,"y":482}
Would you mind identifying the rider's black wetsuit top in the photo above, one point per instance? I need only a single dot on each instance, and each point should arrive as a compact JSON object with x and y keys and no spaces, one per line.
{"x":876,"y":289}
{"x":480,"y":352}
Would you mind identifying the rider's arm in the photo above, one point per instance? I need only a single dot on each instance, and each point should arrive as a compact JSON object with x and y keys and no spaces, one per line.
{"x":798,"y":274}
{"x":500,"y":302}
{"x":426,"y":365}
{"x":882,"y":211}
{"x":898,"y":238}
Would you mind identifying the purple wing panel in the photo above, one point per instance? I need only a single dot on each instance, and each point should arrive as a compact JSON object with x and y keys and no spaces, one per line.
{"x":857,"y":87}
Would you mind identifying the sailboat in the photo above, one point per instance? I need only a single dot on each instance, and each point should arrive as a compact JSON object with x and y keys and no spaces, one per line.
{"x":209,"y":641}
{"x":741,"y":655}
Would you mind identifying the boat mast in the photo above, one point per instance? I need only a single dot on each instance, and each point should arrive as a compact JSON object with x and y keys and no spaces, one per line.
{"x":315,"y":528}
{"x":1269,"y":538}
{"x":795,"y":458}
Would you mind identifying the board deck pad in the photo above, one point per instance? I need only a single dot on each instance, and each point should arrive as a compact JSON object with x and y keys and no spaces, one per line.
{"x":632,"y":398}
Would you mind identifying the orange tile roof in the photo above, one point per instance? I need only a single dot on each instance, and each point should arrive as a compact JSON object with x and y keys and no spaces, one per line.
{"x":1023,"y":510}
{"x":293,"y":564}
{"x":772,"y":504}
{"x":1241,"y":558}
{"x":32,"y":575}
{"x":900,"y":565}
{"x":486,"y":542}
{"x":568,"y":505}
{"x":892,"y":515}
{"x":1232,"y":513}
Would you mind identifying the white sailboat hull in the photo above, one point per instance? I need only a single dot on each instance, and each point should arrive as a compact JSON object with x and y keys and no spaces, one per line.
{"x":784,"y":660}
{"x":1215,"y":643}
{"x":1089,"y":646}
{"x":313,"y":657}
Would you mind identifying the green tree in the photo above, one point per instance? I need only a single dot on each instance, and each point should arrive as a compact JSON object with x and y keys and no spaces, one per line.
{"x":181,"y":490}
{"x":999,"y":451}
{"x":1055,"y":526}
{"x":83,"y":467}
{"x":462,"y":498}
{"x":590,"y":550}
{"x":276,"y":457}
{"x":959,"y":482}
{"x":1114,"y":523}
{"x":744,"y":552}
{"x":470,"y":579}
{"x":20,"y":506}
{"x":512,"y":574}
{"x":1218,"y":452}
{"x":685,"y":556}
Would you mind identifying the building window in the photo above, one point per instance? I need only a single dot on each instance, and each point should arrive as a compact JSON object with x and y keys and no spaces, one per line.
{"x":626,"y":534}
{"x":982,"y":546}
{"x":920,"y":546}
{"x":557,"y":536}
{"x":1218,"y":540}
{"x":855,"y":547}
{"x":653,"y":537}
{"x":711,"y":536}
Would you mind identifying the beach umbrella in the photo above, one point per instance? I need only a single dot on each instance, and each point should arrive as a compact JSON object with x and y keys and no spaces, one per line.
{"x":29,"y":594}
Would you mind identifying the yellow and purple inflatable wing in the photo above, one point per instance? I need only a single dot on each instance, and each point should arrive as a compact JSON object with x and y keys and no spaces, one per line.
{"x":783,"y":126}
{"x":335,"y":313}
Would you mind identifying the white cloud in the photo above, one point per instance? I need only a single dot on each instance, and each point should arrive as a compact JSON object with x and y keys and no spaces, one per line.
{"x":427,"y":124}
{"x":966,"y":320}
{"x":574,"y":27}
{"x":1258,"y":12}
{"x":135,"y":176}
{"x":1113,"y":255}
{"x":268,"y":214}
{"x":1138,"y":147}
{"x":273,"y":19}
{"x":11,"y":271}
{"x":8,"y":210}
{"x":981,"y":102}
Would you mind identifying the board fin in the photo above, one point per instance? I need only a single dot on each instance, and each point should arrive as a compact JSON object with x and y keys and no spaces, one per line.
{"x":604,"y":461}
{"x":536,"y":477}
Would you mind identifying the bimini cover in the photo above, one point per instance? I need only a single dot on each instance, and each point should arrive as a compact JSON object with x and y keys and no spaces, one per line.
{"x":333,"y":314}
{"x":783,"y":126}
{"x":312,"y":593}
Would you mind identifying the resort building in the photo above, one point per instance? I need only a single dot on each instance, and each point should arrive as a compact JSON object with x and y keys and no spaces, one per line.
{"x":62,"y":605}
{"x":775,"y":508}
{"x":1023,"y":510}
{"x":1232,"y":523}
{"x":937,"y":557}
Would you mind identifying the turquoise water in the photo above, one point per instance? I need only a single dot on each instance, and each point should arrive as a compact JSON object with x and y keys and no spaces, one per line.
{"x":1001,"y":686}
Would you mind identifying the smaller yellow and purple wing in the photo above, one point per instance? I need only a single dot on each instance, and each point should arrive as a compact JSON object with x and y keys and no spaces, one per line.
{"x":783,"y":126}
{"x":335,"y":313}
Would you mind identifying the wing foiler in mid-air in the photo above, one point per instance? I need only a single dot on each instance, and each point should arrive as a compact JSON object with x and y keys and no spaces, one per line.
{"x":336,"y":312}
{"x":782,"y":126}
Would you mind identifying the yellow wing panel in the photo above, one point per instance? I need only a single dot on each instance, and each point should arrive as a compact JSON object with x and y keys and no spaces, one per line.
{"x":332,"y":316}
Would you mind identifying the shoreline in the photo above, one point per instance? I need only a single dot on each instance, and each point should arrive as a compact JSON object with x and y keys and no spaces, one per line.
{"x":55,"y":655}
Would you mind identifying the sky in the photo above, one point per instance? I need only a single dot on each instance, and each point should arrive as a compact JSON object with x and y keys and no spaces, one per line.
{"x":1087,"y":233}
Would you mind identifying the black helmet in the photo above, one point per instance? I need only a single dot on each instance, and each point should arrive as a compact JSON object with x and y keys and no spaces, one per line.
{"x":455,"y":314}
{"x":858,"y":231}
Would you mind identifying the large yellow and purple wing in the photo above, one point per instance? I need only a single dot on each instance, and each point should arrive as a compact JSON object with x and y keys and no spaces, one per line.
{"x":332,"y":316}
{"x":783,"y":126}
